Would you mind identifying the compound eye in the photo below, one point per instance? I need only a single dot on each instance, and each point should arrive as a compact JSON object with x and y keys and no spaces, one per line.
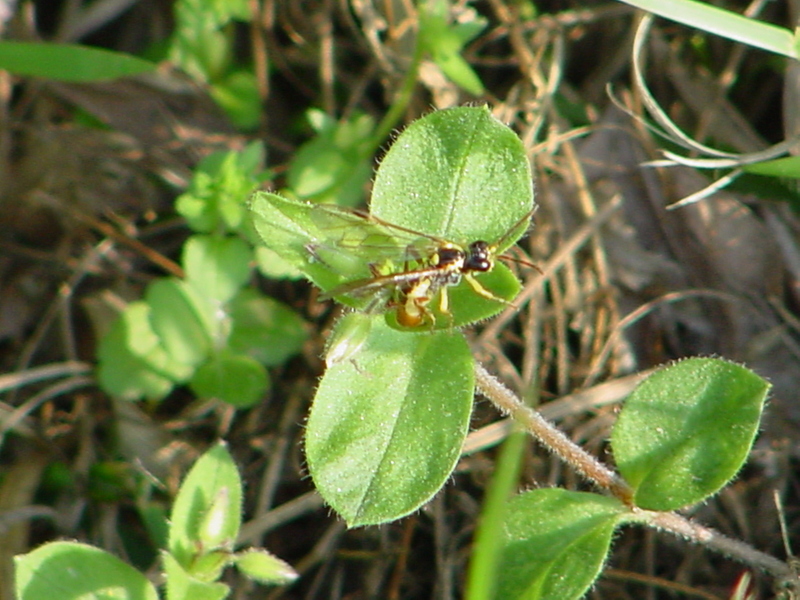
{"x":479,"y":258}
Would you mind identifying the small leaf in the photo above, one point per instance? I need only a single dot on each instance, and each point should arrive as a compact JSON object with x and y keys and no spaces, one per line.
{"x":556,"y":543}
{"x":69,"y":62}
{"x":183,"y":586}
{"x":264,"y":567}
{"x":386,"y":428}
{"x":686,"y":431}
{"x":444,"y":42}
{"x":180,"y":320}
{"x":144,"y":343}
{"x":265,"y":329}
{"x":335,"y":165}
{"x":66,"y":570}
{"x":322,"y":241}
{"x":458,"y":174}
{"x":217,"y":267}
{"x":286,"y":227}
{"x":233,"y":378}
{"x":216,"y":198}
{"x":237,"y":94}
{"x":123,"y":374}
{"x":197,"y":497}
{"x":210,"y":565}
{"x":463,"y":176}
{"x":133,"y":364}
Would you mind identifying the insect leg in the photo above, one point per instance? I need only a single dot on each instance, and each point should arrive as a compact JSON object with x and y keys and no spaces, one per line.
{"x":482,"y":291}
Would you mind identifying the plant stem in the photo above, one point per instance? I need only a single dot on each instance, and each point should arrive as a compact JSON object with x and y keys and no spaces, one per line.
{"x":694,"y":532}
{"x":552,"y":437}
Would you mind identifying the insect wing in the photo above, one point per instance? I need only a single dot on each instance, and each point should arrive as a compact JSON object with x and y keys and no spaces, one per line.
{"x":363,"y":235}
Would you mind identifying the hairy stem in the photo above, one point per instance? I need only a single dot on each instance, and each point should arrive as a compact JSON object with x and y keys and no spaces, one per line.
{"x":551,"y":437}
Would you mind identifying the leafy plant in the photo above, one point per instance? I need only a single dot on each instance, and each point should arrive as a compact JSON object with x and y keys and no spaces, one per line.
{"x":391,"y":412}
{"x":444,"y":41}
{"x":202,"y":45}
{"x":205,"y":328}
{"x":394,"y":456}
{"x":203,"y":527}
{"x":681,"y":436}
{"x":336,"y":163}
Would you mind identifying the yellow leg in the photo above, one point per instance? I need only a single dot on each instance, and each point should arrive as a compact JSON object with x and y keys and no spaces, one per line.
{"x":482,"y":291}
{"x":444,"y":305}
{"x":444,"y":302}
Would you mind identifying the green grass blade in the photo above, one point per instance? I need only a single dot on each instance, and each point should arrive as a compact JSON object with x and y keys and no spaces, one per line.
{"x":723,"y":23}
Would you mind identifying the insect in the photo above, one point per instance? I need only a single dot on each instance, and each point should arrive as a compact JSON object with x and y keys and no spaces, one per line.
{"x":408,"y":269}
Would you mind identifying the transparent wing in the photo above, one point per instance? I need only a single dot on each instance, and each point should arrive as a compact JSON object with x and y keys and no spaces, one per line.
{"x":370,"y":238}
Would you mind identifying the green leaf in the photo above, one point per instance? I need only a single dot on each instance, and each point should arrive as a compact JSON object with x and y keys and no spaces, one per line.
{"x":198,"y":45}
{"x":181,"y":585}
{"x":335,"y":165}
{"x":686,"y":431}
{"x":386,"y":429}
{"x":285,"y":226}
{"x":233,"y":378}
{"x":264,"y":567}
{"x":217,"y":267}
{"x":453,"y":178}
{"x":197,"y":499}
{"x":292,"y":228}
{"x":215,"y":200}
{"x":444,"y":43}
{"x":69,"y":62}
{"x":555,"y":543}
{"x":143,"y":342}
{"x":67,"y":570}
{"x":237,"y":93}
{"x":461,"y":175}
{"x":133,"y":363}
{"x":265,"y":329}
{"x":123,"y":374}
{"x":181,"y":320}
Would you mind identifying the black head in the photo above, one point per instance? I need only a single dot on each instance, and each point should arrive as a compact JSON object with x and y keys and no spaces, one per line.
{"x":479,"y":257}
